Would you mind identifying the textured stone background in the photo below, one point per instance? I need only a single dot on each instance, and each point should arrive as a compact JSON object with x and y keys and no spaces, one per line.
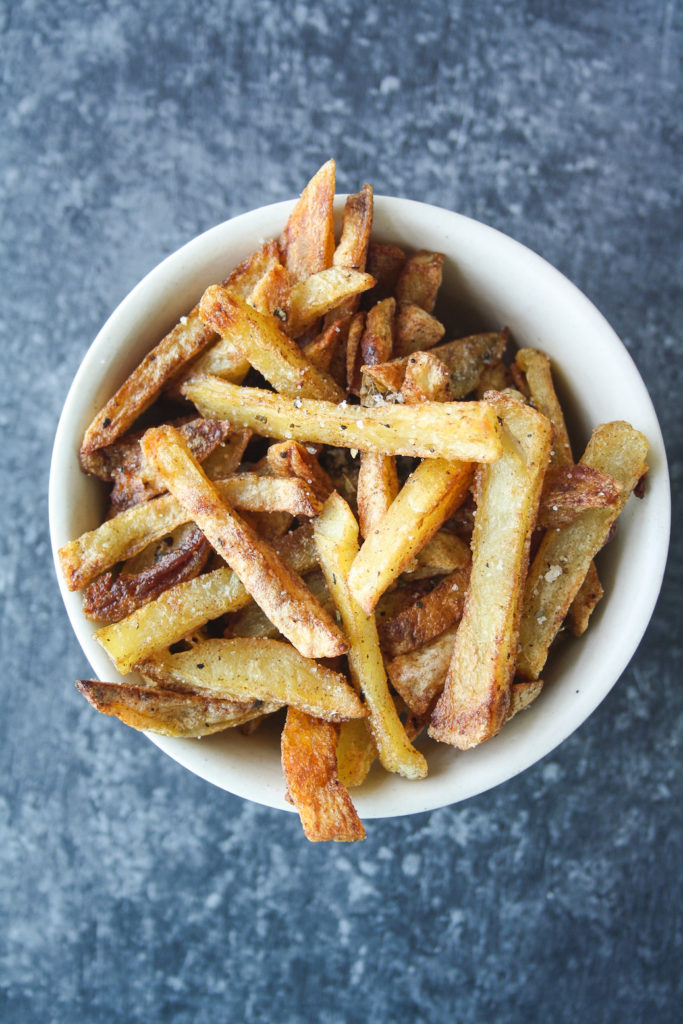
{"x":129,"y":889}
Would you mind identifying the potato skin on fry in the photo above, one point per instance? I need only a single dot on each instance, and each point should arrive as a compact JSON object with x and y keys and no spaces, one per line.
{"x":309,"y":763}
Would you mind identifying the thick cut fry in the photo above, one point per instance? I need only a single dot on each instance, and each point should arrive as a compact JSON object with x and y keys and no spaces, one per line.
{"x":420,"y":279}
{"x":322,"y":293}
{"x":145,"y":383}
{"x":427,"y":379}
{"x":418,"y":676}
{"x":564,"y":555}
{"x":352,"y":250}
{"x":426,"y":617}
{"x":466,"y":359}
{"x":309,"y":763}
{"x":336,"y":538}
{"x":271,"y":295}
{"x":429,"y":496}
{"x":466,"y":431}
{"x":171,"y":714}
{"x":266,"y":346}
{"x":257,"y":669}
{"x":416,"y":330}
{"x":188,"y":606}
{"x":536,"y":368}
{"x":276,"y":589}
{"x":129,"y":532}
{"x":476,"y":696}
{"x":109,"y":599}
{"x":307,"y":242}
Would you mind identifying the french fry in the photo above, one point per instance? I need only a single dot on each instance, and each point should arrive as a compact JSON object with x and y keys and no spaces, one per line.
{"x":257,"y":669}
{"x":427,"y":617}
{"x":356,"y":752}
{"x":168,"y":713}
{"x":251,"y":621}
{"x":419,"y":675}
{"x":416,"y":330}
{"x":129,"y":532}
{"x":522,"y":695}
{"x":271,"y":295}
{"x":377,"y":342}
{"x":582,"y":607}
{"x":352,"y":355}
{"x":336,"y":537}
{"x":569,"y":490}
{"x":188,"y":606}
{"x":427,"y":379}
{"x":476,"y":695}
{"x":323,"y":293}
{"x":266,"y":346}
{"x":538,"y":374}
{"x":443,"y":553}
{"x":564,"y":555}
{"x":309,"y":763}
{"x":276,"y":589}
{"x":420,"y":279}
{"x":385,"y":262}
{"x":429,"y":496}
{"x":352,"y":250}
{"x":321,"y":351}
{"x":289,"y":458}
{"x":451,"y":430}
{"x":307,"y":242}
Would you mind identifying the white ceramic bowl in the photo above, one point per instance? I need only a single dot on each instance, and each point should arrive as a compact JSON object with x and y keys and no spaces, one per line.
{"x":491,"y":281}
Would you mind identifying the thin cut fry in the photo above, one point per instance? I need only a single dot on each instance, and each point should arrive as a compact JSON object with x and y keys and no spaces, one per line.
{"x":309,"y":763}
{"x":429,"y":496}
{"x":465,"y":431}
{"x":536,"y":367}
{"x":266,"y":346}
{"x":336,"y":537}
{"x":476,"y":696}
{"x":276,"y":589}
{"x":564,"y":555}
{"x":257,"y":669}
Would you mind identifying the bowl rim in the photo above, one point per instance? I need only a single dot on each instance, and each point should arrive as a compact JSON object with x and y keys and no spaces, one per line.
{"x":381,"y":795}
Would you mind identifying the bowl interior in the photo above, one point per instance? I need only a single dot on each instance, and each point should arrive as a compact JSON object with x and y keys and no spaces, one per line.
{"x":489,"y":281}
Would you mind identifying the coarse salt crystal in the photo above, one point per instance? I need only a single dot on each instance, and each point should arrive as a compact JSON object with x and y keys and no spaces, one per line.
{"x":553,"y":573}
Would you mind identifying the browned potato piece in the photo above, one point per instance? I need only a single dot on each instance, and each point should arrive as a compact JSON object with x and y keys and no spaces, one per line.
{"x":324,"y":347}
{"x":536,"y":368}
{"x":385,"y":262}
{"x":564,"y":555}
{"x":476,"y":696}
{"x":416,"y":330}
{"x":427,"y":617}
{"x":450,"y":430}
{"x":377,"y":342}
{"x":276,"y":589}
{"x":352,"y":250}
{"x":356,"y":752}
{"x":418,"y":676}
{"x":522,"y":695}
{"x":289,"y":458}
{"x":166,"y":712}
{"x":420,"y":279}
{"x":309,"y":763}
{"x":266,"y":346}
{"x":582,"y":607}
{"x":352,"y":355}
{"x":569,"y":490}
{"x":271,"y":295}
{"x":323,"y":293}
{"x":427,"y":379}
{"x":307,"y":242}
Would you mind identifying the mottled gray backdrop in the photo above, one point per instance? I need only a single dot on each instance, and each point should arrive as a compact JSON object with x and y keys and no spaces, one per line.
{"x":129,"y":889}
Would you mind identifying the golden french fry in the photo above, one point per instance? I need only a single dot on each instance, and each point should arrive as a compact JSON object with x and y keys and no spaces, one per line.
{"x":271,"y":295}
{"x":309,"y":763}
{"x":257,"y":669}
{"x":377,"y":342}
{"x":352,"y":354}
{"x":522,"y":695}
{"x":564,"y":555}
{"x":450,"y":430}
{"x":187,"y":606}
{"x":356,"y":752}
{"x":353,"y":244}
{"x":168,"y":713}
{"x":266,"y":346}
{"x":418,"y":676}
{"x":307,"y":242}
{"x":276,"y":589}
{"x":476,"y":695}
{"x":429,"y":496}
{"x":336,"y":537}
{"x":443,"y":553}
{"x":289,"y":458}
{"x":536,"y":368}
{"x":322,"y":293}
{"x":420,"y":279}
{"x":569,"y":490}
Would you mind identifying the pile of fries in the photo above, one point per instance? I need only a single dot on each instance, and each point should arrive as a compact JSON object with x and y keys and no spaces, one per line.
{"x":322,"y":509}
